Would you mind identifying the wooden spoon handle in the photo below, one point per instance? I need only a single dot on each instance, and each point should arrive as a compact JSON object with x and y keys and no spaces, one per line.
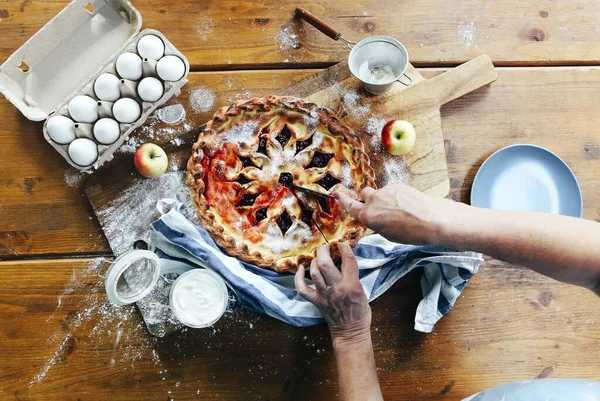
{"x":318,"y":23}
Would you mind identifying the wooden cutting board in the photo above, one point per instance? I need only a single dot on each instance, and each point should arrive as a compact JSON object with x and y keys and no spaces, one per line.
{"x":124,"y":202}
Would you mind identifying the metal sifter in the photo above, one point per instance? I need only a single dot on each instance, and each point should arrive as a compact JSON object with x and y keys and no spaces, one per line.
{"x":377,"y":61}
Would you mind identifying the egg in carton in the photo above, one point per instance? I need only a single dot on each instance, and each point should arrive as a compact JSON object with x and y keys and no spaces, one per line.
{"x":125,"y":87}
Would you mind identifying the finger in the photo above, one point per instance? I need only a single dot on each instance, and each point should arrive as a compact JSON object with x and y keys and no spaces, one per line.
{"x":350,"y":205}
{"x":317,"y":277}
{"x":349,"y":263}
{"x":310,"y":294}
{"x":326,"y":266}
{"x":366,"y":193}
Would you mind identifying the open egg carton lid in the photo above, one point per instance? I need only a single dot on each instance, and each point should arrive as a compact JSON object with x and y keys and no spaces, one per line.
{"x":66,"y":55}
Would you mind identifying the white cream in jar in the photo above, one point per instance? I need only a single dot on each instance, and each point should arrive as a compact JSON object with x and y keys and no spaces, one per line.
{"x":199,"y":298}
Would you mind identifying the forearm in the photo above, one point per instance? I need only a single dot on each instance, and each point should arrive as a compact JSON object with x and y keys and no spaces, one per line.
{"x":564,"y":248}
{"x":356,"y":369}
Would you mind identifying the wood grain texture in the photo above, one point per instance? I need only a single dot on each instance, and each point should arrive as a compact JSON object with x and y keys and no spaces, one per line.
{"x":60,"y":340}
{"x":221,"y":34}
{"x":551,"y":107}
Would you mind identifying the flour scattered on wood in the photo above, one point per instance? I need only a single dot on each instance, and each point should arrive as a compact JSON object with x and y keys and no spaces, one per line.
{"x":172,"y":114}
{"x":353,"y":106}
{"x":395,"y":170}
{"x":127,"y":218}
{"x":205,"y":27}
{"x":374,"y":126}
{"x":73,"y":177}
{"x":465,"y":33}
{"x":202,"y":100}
{"x":92,"y":320}
{"x":287,"y":38}
{"x":130,"y":146}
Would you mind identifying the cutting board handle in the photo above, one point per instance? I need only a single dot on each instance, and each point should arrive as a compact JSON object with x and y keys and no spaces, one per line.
{"x":463,"y":79}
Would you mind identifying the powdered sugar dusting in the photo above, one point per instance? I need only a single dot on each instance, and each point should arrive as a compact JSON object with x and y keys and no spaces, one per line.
{"x":346,"y":174}
{"x":172,"y":114}
{"x":244,"y":133}
{"x":202,"y":100}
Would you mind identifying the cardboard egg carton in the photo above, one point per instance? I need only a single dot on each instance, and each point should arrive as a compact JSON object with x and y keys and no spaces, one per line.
{"x":65,"y":57}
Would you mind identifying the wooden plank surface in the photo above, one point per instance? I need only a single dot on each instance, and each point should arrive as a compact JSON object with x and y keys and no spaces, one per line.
{"x":60,"y":340}
{"x":551,"y":107}
{"x":221,"y":34}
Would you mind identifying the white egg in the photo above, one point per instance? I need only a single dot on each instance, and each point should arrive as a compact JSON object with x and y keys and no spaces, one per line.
{"x":83,"y":109}
{"x":150,"y":46}
{"x":61,"y":129}
{"x":106,"y":87}
{"x":106,"y":131}
{"x":83,"y":152}
{"x":170,"y":68}
{"x":126,"y":110}
{"x":150,"y":89}
{"x":129,"y":66}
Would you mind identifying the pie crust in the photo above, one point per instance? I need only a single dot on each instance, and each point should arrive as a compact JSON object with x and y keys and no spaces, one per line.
{"x":240,"y":172}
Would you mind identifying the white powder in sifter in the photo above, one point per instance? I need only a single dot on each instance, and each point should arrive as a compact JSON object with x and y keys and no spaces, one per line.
{"x":171,"y":114}
{"x":202,"y":100}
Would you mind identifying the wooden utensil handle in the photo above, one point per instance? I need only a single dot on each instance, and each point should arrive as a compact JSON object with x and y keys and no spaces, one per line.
{"x":318,"y":23}
{"x":465,"y":78}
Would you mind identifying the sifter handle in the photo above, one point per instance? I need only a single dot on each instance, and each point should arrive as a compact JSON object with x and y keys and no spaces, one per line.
{"x":318,"y":23}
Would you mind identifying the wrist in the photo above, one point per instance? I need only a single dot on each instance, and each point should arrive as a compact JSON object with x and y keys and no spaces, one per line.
{"x":345,"y":339}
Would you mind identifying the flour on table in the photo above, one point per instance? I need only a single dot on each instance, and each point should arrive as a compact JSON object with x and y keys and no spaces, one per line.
{"x":172,"y":114}
{"x":395,"y":170}
{"x":464,"y":33}
{"x":287,"y":38}
{"x":93,"y":322}
{"x":205,"y":27}
{"x":202,"y":100}
{"x":127,"y":218}
{"x":374,"y":126}
{"x":351,"y":102}
{"x":130,"y":146}
{"x":73,"y":177}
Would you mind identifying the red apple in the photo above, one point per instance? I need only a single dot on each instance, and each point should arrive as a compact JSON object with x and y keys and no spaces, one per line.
{"x":150,"y":160}
{"x":398,"y":137}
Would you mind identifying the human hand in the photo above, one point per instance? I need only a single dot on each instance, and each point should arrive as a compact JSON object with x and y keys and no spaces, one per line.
{"x":399,"y":213}
{"x":338,"y":294}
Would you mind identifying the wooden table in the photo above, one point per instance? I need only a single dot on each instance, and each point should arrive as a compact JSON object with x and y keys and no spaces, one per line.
{"x":59,"y":339}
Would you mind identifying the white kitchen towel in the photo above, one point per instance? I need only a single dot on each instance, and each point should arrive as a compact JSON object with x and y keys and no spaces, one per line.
{"x":445,"y":272}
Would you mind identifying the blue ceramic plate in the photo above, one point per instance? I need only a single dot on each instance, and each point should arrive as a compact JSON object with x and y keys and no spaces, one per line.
{"x":527,"y":177}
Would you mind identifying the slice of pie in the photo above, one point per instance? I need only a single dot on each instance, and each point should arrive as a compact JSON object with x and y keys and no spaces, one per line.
{"x":245,"y":165}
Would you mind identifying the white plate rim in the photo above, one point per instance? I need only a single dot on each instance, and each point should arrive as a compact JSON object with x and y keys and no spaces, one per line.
{"x":528,"y":145}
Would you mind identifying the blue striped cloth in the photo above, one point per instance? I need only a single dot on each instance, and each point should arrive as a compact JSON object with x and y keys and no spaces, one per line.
{"x":445,"y":272}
